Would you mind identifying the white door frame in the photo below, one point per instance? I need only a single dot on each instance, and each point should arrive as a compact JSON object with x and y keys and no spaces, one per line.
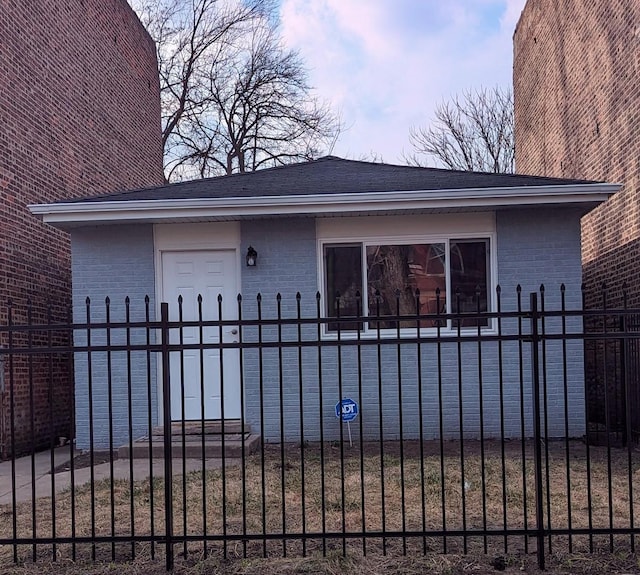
{"x":190,"y":237}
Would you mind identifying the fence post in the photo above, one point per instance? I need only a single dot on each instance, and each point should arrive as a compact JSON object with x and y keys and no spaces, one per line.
{"x":626,"y":436}
{"x":166,"y":424}
{"x":537,"y":436}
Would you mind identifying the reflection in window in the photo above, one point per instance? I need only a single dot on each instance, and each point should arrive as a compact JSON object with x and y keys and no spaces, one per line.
{"x":393,"y":275}
{"x":469,"y":279}
{"x":343,"y":273}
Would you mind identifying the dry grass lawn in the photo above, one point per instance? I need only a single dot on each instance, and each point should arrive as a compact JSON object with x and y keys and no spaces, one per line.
{"x":311,"y":491}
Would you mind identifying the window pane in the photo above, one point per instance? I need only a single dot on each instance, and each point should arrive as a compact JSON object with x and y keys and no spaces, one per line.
{"x":343,"y":273}
{"x":469,"y":271}
{"x":396,"y":272}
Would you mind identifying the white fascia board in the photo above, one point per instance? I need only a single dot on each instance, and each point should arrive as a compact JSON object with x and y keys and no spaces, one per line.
{"x":242,"y":207}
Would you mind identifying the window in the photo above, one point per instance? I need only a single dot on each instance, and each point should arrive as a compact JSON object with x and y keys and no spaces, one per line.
{"x":343,"y":273}
{"x":394,"y":272}
{"x":469,"y":279}
{"x":398,"y":279}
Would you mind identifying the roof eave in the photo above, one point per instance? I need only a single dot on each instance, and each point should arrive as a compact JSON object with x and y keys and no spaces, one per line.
{"x":72,"y":214}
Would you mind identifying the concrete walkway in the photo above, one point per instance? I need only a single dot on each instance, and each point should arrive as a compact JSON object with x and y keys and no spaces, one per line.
{"x":41,"y":473}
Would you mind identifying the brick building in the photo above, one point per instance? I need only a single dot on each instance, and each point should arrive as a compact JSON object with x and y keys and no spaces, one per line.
{"x":577,"y":110}
{"x":79,"y":115}
{"x":577,"y":113}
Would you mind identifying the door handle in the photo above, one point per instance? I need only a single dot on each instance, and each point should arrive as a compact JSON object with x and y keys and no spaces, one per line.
{"x":234,"y":331}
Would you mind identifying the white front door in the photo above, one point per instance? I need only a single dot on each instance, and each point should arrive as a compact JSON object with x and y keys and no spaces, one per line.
{"x":201,"y":377}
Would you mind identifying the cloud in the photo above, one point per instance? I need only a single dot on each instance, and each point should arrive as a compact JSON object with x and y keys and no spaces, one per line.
{"x":384,"y":66}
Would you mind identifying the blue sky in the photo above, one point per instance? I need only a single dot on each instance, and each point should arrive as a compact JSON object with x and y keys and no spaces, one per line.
{"x":384,"y":65}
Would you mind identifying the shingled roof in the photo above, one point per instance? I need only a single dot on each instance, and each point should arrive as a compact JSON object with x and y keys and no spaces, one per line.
{"x":325,"y":187}
{"x":331,"y":175}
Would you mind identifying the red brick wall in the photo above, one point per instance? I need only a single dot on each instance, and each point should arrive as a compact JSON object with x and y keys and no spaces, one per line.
{"x":79,"y":116}
{"x":577,"y":114}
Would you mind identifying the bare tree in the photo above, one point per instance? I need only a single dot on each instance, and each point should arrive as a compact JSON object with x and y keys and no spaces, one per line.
{"x":259,"y":111}
{"x":471,"y":132}
{"x":233,"y":98}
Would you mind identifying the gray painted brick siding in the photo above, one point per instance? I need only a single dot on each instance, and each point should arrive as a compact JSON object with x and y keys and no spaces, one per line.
{"x":534,"y":246}
{"x":542,"y":246}
{"x":114,"y":262}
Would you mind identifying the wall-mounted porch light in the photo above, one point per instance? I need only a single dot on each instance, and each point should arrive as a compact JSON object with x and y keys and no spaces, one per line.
{"x":252,"y":257}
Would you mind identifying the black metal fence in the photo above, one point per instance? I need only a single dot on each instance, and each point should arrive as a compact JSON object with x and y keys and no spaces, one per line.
{"x":613,"y":376}
{"x":448,"y":433}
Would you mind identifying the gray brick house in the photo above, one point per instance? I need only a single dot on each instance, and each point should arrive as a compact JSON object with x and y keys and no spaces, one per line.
{"x":330,"y":226}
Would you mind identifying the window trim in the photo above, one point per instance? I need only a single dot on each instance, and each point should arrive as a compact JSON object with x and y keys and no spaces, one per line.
{"x":406,"y":239}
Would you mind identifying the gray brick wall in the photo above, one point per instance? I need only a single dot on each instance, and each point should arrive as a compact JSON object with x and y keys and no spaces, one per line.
{"x":537,"y":247}
{"x":114,"y":262}
{"x":534,"y":246}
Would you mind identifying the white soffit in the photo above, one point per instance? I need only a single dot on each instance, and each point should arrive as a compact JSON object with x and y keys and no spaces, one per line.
{"x":93,"y":212}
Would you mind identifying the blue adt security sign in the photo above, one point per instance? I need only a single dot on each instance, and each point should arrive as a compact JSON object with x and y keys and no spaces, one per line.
{"x":348,"y":408}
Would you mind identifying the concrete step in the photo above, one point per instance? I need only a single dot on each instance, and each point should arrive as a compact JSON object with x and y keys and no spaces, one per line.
{"x":211,"y":427}
{"x":192,"y":447}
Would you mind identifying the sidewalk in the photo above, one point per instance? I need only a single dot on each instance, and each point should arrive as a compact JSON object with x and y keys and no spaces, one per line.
{"x":43,"y":479}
